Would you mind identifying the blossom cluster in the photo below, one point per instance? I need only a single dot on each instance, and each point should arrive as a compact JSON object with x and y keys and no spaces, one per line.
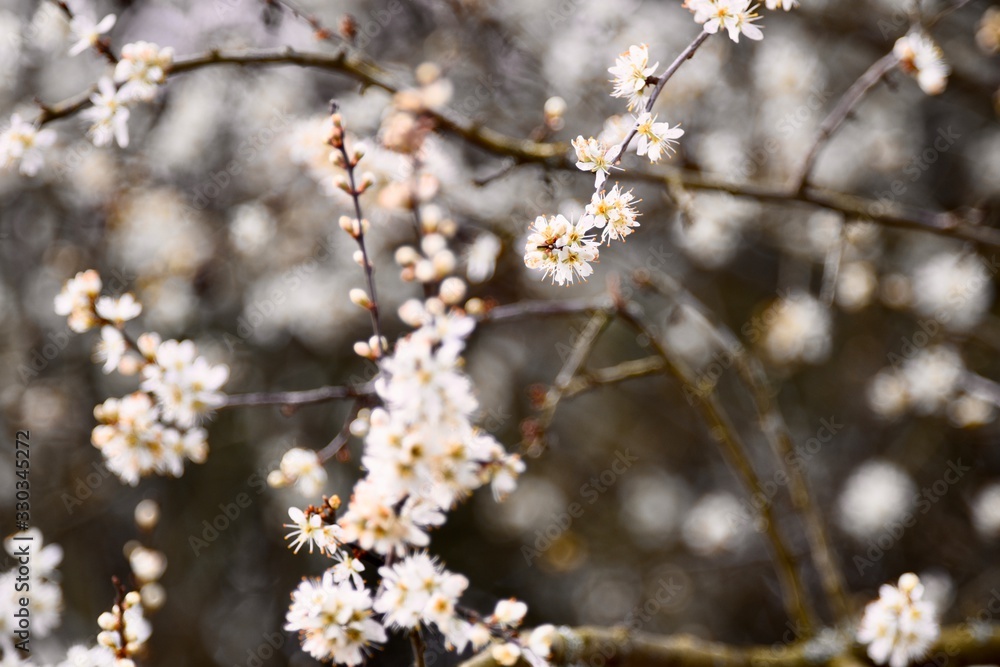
{"x":138,"y":73}
{"x":155,"y":429}
{"x":900,"y":626}
{"x":422,"y":455}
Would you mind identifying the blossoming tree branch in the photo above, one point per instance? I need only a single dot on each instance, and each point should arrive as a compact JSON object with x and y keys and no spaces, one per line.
{"x":417,"y":423}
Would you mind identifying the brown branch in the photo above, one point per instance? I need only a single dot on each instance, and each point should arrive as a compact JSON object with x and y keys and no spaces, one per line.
{"x":305,"y":397}
{"x":735,"y":452}
{"x":535,"y":439}
{"x":840,"y":112}
{"x":554,"y":154}
{"x":957,"y":646}
{"x":622,"y":372}
{"x":774,"y":427}
{"x":685,"y":55}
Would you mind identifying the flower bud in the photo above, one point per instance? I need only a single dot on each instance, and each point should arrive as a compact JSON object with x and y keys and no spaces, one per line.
{"x":359,"y":297}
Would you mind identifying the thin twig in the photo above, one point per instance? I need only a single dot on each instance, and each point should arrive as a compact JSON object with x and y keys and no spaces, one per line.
{"x":535,"y":439}
{"x":417,"y":643}
{"x":772,"y":423}
{"x":305,"y":397}
{"x":350,"y":166}
{"x":554,"y":155}
{"x":621,"y":372}
{"x":958,"y":645}
{"x":845,"y":105}
{"x":735,"y":452}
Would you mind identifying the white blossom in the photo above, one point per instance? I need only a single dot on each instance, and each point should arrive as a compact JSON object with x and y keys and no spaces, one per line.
{"x":614,"y":213}
{"x":334,"y":620}
{"x":655,"y":139}
{"x":919,"y":56}
{"x":561,"y":249}
{"x":596,"y":156}
{"x":23,"y":144}
{"x":631,"y":70}
{"x":108,"y":115}
{"x":142,"y":69}
{"x":900,"y":626}
{"x":87,"y":31}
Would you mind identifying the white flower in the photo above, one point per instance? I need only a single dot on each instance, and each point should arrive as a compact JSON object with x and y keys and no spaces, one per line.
{"x":303,"y":468}
{"x":919,"y":56}
{"x":734,"y":16}
{"x":419,"y":590}
{"x":631,"y":71}
{"x":655,"y":138}
{"x":77,"y":298}
{"x":24,"y":143}
{"x":986,"y":512}
{"x":510,"y":612}
{"x":110,"y":349}
{"x":876,"y":496}
{"x":132,"y":440}
{"x":799,"y":330}
{"x":954,"y":289}
{"x":87,"y":32}
{"x":561,"y":248}
{"x":312,"y":530}
{"x":900,"y":626}
{"x":481,"y":259}
{"x":787,"y":5}
{"x":120,"y":310}
{"x":186,"y":385}
{"x":614,"y":213}
{"x":348,"y":567}
{"x":334,"y":620}
{"x":142,"y":68}
{"x":596,"y":156}
{"x":506,"y":654}
{"x":108,"y":116}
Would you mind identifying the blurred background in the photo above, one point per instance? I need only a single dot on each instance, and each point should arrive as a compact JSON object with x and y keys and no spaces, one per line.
{"x":256,"y":272}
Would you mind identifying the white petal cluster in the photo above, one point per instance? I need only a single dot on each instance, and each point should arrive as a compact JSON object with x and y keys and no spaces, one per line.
{"x":125,"y":629}
{"x":736,"y":17}
{"x":135,"y":441}
{"x":875,"y":498}
{"x":631,"y":70}
{"x":419,"y":591}
{"x":108,"y":117}
{"x":186,"y":385}
{"x":798,"y":331}
{"x":22,"y":144}
{"x":142,"y":69}
{"x":334,"y":620}
{"x":77,"y":300}
{"x":953,"y":288}
{"x":562,"y":249}
{"x":900,"y":626}
{"x":87,"y":31}
{"x":311,"y":529}
{"x":613,"y":212}
{"x":596,"y":156}
{"x":920,"y":57}
{"x":422,"y":451}
{"x":655,"y":139}
{"x":302,"y":468}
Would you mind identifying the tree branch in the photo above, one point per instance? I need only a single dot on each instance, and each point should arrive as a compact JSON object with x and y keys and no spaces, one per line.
{"x":774,"y":427}
{"x":957,"y":646}
{"x":734,"y":450}
{"x":554,"y":154}
{"x":305,"y":397}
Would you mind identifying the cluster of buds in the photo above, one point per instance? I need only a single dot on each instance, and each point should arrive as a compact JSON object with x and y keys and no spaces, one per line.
{"x":124,"y":629}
